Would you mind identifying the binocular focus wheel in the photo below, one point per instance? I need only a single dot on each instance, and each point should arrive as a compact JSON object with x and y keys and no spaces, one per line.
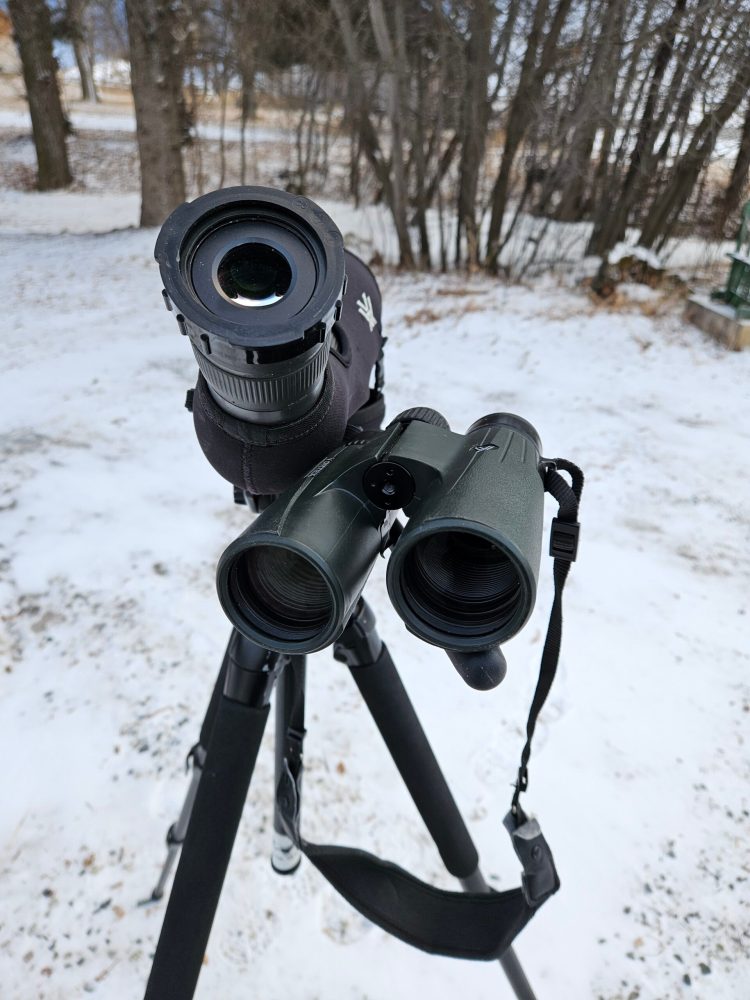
{"x":424,"y":414}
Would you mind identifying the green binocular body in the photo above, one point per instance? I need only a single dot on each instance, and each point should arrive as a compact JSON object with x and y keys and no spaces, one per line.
{"x":463,"y":572}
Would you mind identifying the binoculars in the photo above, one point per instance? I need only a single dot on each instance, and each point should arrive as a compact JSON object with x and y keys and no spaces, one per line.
{"x":462,"y":574}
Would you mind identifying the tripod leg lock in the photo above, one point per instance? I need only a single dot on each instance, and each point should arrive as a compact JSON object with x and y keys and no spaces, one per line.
{"x":539,"y":879}
{"x":196,"y":756}
{"x":173,"y":838}
{"x":359,"y":643}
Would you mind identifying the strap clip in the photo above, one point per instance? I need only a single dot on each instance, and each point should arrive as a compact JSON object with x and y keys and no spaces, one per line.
{"x":522,"y":782}
{"x":539,"y":880}
{"x":563,"y":539}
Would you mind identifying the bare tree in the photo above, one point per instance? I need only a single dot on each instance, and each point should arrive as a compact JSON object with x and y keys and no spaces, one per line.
{"x":32,"y":29}
{"x":603,"y":111}
{"x":73,"y":28}
{"x":665,"y":208}
{"x":392,"y":187}
{"x":156,"y":31}
{"x":738,"y":182}
{"x":612,"y":223}
{"x":538,"y":61}
{"x":474,"y":117}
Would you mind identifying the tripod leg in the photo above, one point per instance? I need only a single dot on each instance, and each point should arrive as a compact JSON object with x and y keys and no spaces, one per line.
{"x":238,"y":725}
{"x":376,"y":676}
{"x":290,"y":702}
{"x":196,"y":759}
{"x":176,"y":832}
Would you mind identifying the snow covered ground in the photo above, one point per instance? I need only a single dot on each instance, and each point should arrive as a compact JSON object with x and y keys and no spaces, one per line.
{"x":91,"y":117}
{"x":112,"y":523}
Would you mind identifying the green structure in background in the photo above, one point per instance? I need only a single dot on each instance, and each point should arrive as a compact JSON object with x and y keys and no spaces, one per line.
{"x":737,"y":291}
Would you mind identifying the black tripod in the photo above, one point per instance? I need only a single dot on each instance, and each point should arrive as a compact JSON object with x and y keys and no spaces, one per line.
{"x":223,"y":763}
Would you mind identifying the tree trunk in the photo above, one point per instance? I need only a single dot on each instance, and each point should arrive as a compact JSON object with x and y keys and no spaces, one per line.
{"x":589,"y":114}
{"x":474,"y":117}
{"x":368,"y":139}
{"x":619,"y":94}
{"x":392,"y":58}
{"x":613,"y":225}
{"x":33,"y":34}
{"x":85,"y":71}
{"x":75,"y":16}
{"x":521,"y":114}
{"x":156,"y":66}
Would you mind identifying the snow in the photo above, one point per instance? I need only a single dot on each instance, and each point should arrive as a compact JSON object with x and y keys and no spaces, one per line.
{"x":107,"y":73}
{"x":91,"y":117}
{"x":112,"y":523}
{"x":715,"y":305}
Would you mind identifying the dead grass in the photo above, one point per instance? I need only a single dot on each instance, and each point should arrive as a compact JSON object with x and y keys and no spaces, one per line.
{"x":659,"y":304}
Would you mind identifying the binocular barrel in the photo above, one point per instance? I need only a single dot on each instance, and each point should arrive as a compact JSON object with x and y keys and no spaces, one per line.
{"x":291,"y":580}
{"x":463,"y":573}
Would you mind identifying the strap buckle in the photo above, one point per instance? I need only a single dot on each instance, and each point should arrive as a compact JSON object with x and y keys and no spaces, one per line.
{"x":563,"y":539}
{"x":539,"y":880}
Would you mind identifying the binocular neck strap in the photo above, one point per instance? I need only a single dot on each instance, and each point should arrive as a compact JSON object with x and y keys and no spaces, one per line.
{"x":563,"y":547}
{"x":473,"y":925}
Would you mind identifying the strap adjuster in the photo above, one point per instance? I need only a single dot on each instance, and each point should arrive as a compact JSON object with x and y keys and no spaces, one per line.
{"x":563,"y":539}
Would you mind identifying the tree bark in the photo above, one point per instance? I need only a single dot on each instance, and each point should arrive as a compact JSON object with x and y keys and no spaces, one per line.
{"x":33,"y":33}
{"x":156,"y":66}
{"x":474,"y":118}
{"x":75,"y":15}
{"x":392,"y":58}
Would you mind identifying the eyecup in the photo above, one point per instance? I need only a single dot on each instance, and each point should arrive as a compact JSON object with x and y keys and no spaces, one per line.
{"x":511,"y":420}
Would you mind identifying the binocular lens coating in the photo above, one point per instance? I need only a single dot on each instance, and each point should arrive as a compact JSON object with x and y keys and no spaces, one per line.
{"x":280,"y":592}
{"x":462,"y":582}
{"x":254,"y":274}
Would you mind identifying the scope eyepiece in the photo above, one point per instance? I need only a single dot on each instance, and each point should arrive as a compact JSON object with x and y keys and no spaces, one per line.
{"x":257,"y":278}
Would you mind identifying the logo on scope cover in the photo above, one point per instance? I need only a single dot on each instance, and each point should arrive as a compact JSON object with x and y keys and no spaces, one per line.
{"x":364,"y":308}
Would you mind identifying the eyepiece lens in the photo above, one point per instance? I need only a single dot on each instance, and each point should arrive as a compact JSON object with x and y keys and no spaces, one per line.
{"x":282,"y":594}
{"x":253,"y":275}
{"x":461,"y":582}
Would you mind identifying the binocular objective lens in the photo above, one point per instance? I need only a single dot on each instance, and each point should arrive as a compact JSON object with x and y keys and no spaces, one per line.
{"x":281,"y":593}
{"x":254,"y":274}
{"x":455,"y":580}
